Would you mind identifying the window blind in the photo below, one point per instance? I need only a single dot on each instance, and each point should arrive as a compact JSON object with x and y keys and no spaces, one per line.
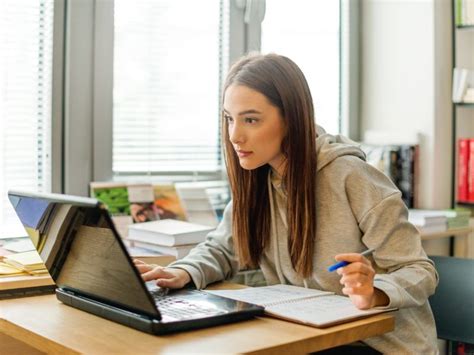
{"x":168,"y":61}
{"x":26,"y":32}
{"x":309,"y":35}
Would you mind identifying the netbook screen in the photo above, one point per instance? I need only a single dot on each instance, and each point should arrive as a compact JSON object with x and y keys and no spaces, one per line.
{"x":81,"y":252}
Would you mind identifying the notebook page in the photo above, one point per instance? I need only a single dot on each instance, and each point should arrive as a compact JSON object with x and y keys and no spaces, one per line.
{"x":321,"y":311}
{"x":270,"y":295}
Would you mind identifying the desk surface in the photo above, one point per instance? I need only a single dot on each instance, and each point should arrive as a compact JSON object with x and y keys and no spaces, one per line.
{"x":50,"y":326}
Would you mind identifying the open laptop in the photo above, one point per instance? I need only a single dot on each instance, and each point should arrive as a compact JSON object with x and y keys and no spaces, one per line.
{"x":93,"y":271}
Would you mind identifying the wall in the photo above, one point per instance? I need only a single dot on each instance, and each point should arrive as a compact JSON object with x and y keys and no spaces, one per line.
{"x":405,"y":86}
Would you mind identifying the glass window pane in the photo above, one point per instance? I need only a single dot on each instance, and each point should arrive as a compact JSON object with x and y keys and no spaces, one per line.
{"x":307,"y":31}
{"x":167,"y":62}
{"x":26,"y":37}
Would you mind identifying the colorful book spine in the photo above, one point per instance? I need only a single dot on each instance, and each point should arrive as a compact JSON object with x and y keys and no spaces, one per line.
{"x":463,"y":160}
{"x":470,"y":171}
{"x":458,"y":13}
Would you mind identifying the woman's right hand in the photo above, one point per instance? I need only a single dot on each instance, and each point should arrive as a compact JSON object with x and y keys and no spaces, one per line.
{"x":165,"y":277}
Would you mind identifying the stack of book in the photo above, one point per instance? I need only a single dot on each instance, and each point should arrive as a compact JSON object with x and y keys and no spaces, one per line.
{"x":27,"y":263}
{"x":458,"y":218}
{"x":197,"y":203}
{"x":167,"y":236}
{"x":428,"y":221}
{"x":130,"y":203}
{"x":432,"y":221}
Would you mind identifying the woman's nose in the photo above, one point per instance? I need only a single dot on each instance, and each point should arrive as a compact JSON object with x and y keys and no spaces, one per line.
{"x":236,"y":134}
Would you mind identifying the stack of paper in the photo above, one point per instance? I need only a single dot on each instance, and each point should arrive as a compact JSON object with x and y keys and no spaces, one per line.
{"x":428,"y":221}
{"x":27,"y":262}
{"x":7,"y":270}
{"x":168,"y":236}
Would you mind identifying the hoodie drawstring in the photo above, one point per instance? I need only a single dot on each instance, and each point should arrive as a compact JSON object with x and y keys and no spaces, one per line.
{"x":274,"y":234}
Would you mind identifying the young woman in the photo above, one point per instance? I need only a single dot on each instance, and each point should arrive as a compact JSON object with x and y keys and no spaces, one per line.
{"x":301,"y":199}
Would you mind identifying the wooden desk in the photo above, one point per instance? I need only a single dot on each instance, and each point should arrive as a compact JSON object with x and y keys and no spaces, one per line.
{"x":45,"y":324}
{"x":18,"y":286}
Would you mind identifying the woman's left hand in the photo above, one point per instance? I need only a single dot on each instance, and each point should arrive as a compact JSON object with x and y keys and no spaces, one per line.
{"x":358,"y":281}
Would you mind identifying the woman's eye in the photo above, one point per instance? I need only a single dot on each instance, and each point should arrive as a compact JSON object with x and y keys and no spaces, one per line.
{"x":228,"y":118}
{"x":251,"y":120}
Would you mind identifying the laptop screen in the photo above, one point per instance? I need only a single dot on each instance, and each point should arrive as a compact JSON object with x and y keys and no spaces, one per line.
{"x":81,"y":249}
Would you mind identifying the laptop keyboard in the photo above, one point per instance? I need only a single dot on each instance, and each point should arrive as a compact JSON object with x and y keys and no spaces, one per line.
{"x":176,"y":308}
{"x":181,"y":309}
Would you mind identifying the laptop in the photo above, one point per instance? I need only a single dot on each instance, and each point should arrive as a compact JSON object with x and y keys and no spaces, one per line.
{"x":88,"y":261}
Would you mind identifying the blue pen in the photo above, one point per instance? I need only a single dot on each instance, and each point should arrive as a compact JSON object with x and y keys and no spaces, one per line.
{"x":345,"y":263}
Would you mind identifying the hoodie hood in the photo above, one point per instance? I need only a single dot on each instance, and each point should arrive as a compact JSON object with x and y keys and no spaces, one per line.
{"x":329,"y":147}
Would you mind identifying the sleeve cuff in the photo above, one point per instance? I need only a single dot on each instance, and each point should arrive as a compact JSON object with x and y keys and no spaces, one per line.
{"x":391,"y":291}
{"x":193,"y":272}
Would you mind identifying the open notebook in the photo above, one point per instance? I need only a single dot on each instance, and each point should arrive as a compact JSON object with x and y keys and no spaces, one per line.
{"x":301,"y":305}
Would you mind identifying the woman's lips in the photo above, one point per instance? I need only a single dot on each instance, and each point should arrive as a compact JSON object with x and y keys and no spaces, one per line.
{"x":243,"y":153}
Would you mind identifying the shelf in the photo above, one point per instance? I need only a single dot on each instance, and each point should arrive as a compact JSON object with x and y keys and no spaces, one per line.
{"x":447,"y":233}
{"x":464,"y":104}
{"x":465,"y":27}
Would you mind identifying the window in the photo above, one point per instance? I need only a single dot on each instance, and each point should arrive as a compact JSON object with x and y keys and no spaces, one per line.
{"x":169,"y":61}
{"x":167,"y":69}
{"x":307,"y":31}
{"x":26,"y":30}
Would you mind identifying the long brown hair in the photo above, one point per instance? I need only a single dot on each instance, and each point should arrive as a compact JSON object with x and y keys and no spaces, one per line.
{"x":284,"y":85}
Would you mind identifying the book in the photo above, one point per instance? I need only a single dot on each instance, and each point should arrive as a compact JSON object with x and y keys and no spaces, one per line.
{"x":427,"y":217}
{"x":463,"y":164}
{"x":400,"y":163}
{"x":168,"y":232}
{"x":428,"y":221}
{"x":113,"y":195}
{"x":432,"y":221}
{"x":142,"y":208}
{"x":179,"y":251}
{"x":168,"y":203}
{"x":463,"y":83}
{"x":406,"y":182}
{"x":459,"y":84}
{"x":301,"y":305}
{"x":470,"y":170}
{"x":197,"y":205}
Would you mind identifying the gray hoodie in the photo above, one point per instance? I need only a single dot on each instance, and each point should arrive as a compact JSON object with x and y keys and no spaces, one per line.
{"x":358,"y":208}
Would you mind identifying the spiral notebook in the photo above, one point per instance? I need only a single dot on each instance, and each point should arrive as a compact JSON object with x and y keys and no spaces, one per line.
{"x":301,"y":305}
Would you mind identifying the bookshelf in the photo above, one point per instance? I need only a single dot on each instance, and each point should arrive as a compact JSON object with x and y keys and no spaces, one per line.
{"x":462,"y":112}
{"x":462,"y":117}
{"x":458,"y":232}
